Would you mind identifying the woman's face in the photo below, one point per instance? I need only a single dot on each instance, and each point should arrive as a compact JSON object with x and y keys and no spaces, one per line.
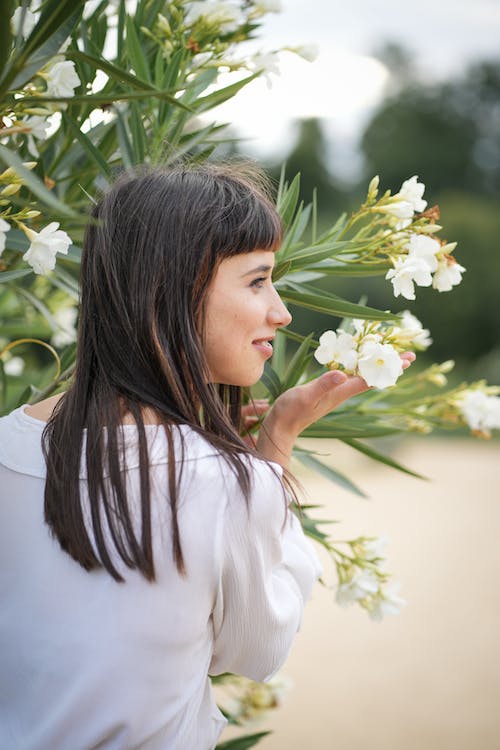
{"x":243,"y":313}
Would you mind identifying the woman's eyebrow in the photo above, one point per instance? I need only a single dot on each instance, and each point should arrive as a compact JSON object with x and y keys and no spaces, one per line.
{"x":259,"y":269}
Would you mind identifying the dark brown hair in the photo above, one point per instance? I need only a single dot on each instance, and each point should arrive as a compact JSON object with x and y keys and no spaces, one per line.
{"x":150,"y":251}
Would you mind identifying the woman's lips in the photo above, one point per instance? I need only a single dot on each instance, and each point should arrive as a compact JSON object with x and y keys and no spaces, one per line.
{"x":264,"y":346}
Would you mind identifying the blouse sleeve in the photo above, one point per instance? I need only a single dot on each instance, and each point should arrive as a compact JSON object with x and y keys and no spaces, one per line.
{"x":267,"y":571}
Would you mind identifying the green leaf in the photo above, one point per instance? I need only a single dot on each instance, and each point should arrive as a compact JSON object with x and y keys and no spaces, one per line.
{"x":68,"y":356}
{"x":271,"y":380}
{"x":136,"y":126}
{"x":327,"y":471}
{"x":126,"y":147}
{"x":294,"y":234}
{"x":222,"y":95}
{"x":87,"y":145}
{"x":279,"y":352}
{"x":334,"y":231}
{"x":33,"y":182}
{"x":6,"y":9}
{"x":312,"y":530}
{"x":298,"y":363}
{"x":134,"y":50}
{"x":107,"y":99}
{"x":287,"y":200}
{"x":115,"y":73}
{"x":348,"y":427}
{"x":329,"y":303}
{"x":331,"y":267}
{"x":371,"y":453}
{"x":11,"y":275}
{"x":242,"y":743}
{"x":38,"y":305}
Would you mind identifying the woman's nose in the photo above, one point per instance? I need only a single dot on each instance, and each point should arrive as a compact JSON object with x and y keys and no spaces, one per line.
{"x":279,"y":315}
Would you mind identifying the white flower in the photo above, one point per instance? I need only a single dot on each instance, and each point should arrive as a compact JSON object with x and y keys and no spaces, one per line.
{"x":65,"y":318}
{"x":4,"y":228}
{"x":406,"y":272}
{"x":225,"y":15}
{"x":374,"y":548}
{"x":399,"y":208}
{"x":480,"y":411}
{"x":337,"y":347}
{"x":412,"y":191}
{"x":254,"y":700}
{"x":29,"y":21}
{"x":41,"y":254}
{"x":426,"y":248}
{"x":359,"y":587}
{"x":413,"y":330}
{"x":448,"y":274}
{"x":61,"y":79}
{"x":387,"y":602}
{"x":38,"y":129}
{"x":379,"y":364}
{"x":14,"y":366}
{"x":267,"y":63}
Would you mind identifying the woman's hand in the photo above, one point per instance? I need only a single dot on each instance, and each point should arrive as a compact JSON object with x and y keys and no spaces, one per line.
{"x":299,"y":407}
{"x":251,"y":414}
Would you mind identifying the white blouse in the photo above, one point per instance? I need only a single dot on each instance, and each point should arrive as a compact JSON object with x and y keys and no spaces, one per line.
{"x":86,"y":662}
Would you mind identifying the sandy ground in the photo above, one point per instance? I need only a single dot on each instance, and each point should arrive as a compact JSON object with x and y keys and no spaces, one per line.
{"x":429,"y":677}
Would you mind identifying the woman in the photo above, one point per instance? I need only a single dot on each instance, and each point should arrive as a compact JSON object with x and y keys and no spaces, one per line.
{"x":143,"y":543}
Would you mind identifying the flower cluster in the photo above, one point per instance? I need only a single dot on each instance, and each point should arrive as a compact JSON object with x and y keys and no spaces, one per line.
{"x":479,"y":408}
{"x":418,"y":258}
{"x":251,"y":702}
{"x":373,"y":351}
{"x":363,"y":580}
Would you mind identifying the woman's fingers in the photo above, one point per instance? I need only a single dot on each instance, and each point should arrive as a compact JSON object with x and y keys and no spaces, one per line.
{"x":408,"y":358}
{"x":254,"y":409}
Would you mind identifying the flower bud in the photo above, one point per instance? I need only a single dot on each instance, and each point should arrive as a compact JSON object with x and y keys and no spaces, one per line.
{"x":449,"y":247}
{"x":11,"y":189}
{"x":446,"y":366}
{"x":429,"y":228}
{"x":373,"y":189}
{"x":10,"y":174}
{"x":163,"y":25}
{"x":437,"y":378}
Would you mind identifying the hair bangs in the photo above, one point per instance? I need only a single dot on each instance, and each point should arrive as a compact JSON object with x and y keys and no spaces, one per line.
{"x":247,"y":219}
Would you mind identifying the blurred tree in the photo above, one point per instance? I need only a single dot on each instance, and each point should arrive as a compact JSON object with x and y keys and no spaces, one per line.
{"x":310,"y":156}
{"x":448,"y":133}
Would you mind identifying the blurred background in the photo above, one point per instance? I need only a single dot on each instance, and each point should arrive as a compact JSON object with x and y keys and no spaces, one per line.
{"x":399,"y":89}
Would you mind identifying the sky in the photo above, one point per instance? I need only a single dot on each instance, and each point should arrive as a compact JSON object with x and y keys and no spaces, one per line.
{"x":346,"y":82}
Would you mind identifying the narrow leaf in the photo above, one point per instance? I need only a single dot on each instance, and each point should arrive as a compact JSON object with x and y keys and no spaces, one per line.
{"x":242,"y":743}
{"x":271,"y":380}
{"x":332,"y":305}
{"x":134,"y":50}
{"x":332,"y":474}
{"x":114,"y":72}
{"x":287,"y":203}
{"x":94,"y":153}
{"x":371,"y":453}
{"x":11,"y":275}
{"x":222,"y":95}
{"x":298,"y":363}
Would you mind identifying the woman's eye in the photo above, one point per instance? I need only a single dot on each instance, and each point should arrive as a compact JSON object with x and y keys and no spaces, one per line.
{"x":260,"y":281}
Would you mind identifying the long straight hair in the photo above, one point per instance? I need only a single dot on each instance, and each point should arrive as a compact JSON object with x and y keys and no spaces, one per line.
{"x":150,"y":251}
